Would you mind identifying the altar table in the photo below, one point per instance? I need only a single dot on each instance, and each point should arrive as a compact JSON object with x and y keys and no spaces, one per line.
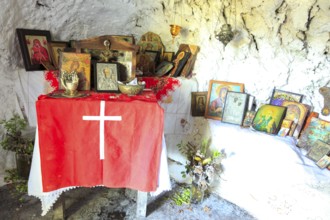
{"x":101,"y":139}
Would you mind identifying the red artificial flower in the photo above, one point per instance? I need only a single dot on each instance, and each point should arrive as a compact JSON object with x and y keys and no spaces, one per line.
{"x":52,"y":78}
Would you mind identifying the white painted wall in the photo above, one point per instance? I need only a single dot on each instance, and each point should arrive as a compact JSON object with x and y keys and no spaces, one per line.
{"x":282,"y":43}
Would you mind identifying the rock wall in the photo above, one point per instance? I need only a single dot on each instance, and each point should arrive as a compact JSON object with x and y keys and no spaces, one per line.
{"x":281,"y":43}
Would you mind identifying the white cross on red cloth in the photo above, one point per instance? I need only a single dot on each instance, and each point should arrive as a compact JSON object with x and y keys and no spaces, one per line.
{"x":102,"y":118}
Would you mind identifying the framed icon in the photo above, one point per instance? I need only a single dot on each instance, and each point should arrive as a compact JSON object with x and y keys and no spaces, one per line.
{"x":34,"y":48}
{"x":216,"y":97}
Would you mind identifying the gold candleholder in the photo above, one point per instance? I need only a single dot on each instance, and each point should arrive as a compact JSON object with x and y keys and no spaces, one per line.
{"x":175,"y":30}
{"x":70,"y":82}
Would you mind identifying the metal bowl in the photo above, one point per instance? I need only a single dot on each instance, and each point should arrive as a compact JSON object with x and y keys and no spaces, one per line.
{"x":131,"y":89}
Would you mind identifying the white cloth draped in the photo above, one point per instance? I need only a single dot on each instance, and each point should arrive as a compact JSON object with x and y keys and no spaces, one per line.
{"x":269,"y":176}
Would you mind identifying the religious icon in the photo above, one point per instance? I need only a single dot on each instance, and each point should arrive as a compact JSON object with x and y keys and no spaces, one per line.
{"x":198,"y":103}
{"x":34,"y":48}
{"x":106,"y":77}
{"x":269,"y":118}
{"x":216,"y":97}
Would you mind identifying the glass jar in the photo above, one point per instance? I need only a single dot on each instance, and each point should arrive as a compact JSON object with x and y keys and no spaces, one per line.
{"x":197,"y":194}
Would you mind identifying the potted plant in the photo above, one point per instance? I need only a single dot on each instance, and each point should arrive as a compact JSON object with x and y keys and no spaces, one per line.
{"x":17,"y":140}
{"x":203,"y":166}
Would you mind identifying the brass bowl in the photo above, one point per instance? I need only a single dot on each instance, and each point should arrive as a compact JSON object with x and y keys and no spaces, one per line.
{"x":131,"y":89}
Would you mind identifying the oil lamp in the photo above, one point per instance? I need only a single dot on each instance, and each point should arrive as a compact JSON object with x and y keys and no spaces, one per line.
{"x":175,"y":30}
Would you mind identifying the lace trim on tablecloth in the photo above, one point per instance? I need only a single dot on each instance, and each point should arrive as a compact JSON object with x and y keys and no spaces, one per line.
{"x":49,"y":199}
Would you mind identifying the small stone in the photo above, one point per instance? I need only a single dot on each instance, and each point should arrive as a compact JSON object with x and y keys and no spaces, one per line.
{"x":124,"y":202}
{"x":206,"y":209}
{"x":131,"y":194}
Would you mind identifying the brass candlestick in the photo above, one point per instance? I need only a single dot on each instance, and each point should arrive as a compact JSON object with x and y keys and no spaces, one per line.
{"x":175,"y":30}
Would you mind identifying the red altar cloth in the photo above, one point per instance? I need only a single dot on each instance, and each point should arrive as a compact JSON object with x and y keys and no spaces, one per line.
{"x":69,"y":145}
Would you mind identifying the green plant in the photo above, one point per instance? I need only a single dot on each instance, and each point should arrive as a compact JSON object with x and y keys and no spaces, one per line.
{"x":19,"y":184}
{"x":14,"y":139}
{"x":182,"y":197}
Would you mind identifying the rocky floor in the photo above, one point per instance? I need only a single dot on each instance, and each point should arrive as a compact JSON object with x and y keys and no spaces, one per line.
{"x":103,"y":203}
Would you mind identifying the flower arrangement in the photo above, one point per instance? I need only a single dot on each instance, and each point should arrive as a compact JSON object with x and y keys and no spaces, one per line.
{"x":203,"y":164}
{"x":70,"y":77}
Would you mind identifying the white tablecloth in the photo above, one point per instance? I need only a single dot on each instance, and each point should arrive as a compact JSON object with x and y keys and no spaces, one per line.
{"x":269,"y":176}
{"x":49,"y":198}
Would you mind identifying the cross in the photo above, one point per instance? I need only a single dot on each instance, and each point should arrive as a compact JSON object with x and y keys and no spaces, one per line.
{"x":102,"y":118}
